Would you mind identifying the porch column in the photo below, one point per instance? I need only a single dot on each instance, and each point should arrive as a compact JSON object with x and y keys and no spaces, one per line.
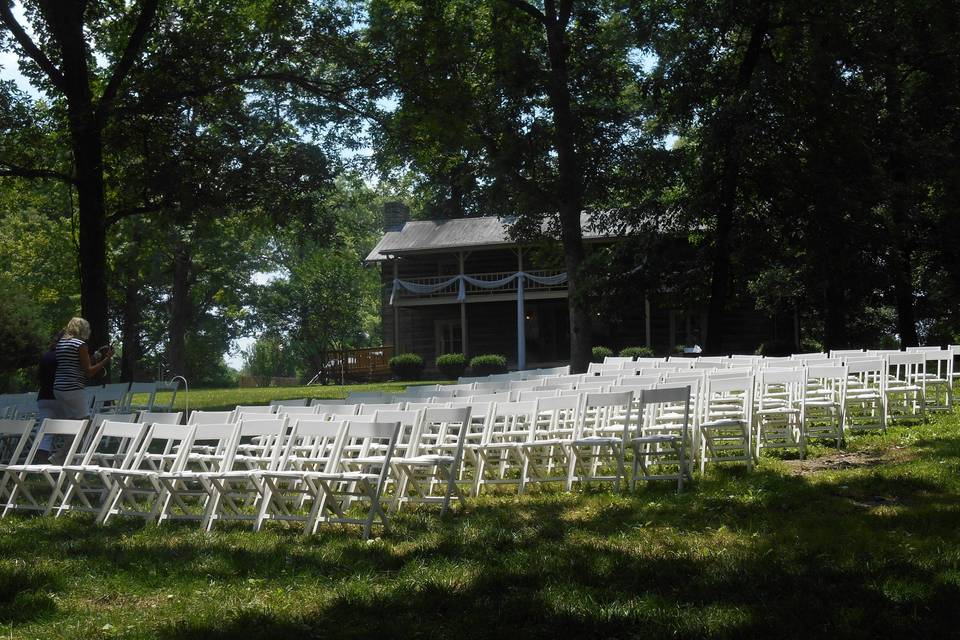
{"x":521,"y":317}
{"x":396,"y":312}
{"x":463,"y":314}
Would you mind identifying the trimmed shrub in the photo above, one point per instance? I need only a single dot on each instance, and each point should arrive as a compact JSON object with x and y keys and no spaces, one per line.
{"x":636,"y":352}
{"x":407,"y":366}
{"x":488,"y":364}
{"x":452,"y":365}
{"x":599,"y":353}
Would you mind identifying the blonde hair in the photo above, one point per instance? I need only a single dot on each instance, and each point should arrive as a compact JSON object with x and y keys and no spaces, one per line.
{"x":77,"y":328}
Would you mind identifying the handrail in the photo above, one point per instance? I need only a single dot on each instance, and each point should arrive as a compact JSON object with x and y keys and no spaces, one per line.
{"x":472,"y":290}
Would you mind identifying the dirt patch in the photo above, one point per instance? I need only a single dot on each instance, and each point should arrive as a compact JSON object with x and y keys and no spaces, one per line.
{"x":847,"y":460}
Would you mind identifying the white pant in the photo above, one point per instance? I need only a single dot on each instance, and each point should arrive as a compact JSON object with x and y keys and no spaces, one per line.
{"x":47,"y":409}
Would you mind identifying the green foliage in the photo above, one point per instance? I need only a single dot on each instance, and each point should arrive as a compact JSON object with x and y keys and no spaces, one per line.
{"x":407,"y":366}
{"x":488,"y":364}
{"x":636,"y":352}
{"x":599,"y":353}
{"x":269,"y":357}
{"x":22,"y":334}
{"x":452,"y":365}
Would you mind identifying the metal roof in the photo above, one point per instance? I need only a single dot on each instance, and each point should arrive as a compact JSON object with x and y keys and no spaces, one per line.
{"x":431,"y":236}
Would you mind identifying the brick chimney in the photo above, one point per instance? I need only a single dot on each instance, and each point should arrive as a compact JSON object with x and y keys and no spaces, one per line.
{"x":395,"y":214}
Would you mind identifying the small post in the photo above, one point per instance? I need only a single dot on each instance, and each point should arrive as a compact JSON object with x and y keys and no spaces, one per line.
{"x":396,"y":309}
{"x":463,"y":311}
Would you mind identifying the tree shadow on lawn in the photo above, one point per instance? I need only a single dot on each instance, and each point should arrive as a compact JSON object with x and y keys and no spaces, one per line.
{"x":738,"y":555}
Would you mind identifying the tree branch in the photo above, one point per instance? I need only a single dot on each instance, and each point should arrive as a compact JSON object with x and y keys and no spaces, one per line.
{"x":129,"y":56}
{"x":529,"y":9}
{"x":133,"y":211}
{"x":566,"y":8}
{"x":29,"y":48}
{"x":10,"y":170}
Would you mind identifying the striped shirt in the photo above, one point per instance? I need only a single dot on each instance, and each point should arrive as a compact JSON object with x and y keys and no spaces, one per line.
{"x":69,"y":376}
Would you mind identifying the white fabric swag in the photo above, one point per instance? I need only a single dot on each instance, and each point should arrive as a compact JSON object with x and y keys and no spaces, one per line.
{"x":462,"y":280}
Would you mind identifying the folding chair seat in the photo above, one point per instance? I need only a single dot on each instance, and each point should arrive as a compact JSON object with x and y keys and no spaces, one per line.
{"x":433,"y":459}
{"x":906,"y":385}
{"x":662,"y":437}
{"x":780,"y":415}
{"x":546,"y":452}
{"x":113,"y":446}
{"x":865,"y":395}
{"x":509,"y":426}
{"x":16,"y":487}
{"x":725,"y":432}
{"x":136,"y":489}
{"x":603,"y":426}
{"x":824,"y":400}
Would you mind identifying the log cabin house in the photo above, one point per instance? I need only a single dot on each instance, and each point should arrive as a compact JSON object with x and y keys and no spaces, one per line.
{"x":462,"y":285}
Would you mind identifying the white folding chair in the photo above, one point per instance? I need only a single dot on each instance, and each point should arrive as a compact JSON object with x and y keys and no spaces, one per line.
{"x":662,"y":435}
{"x":136,"y":490}
{"x":938,"y":379}
{"x":360,"y":480}
{"x":725,"y":432}
{"x":16,"y":486}
{"x":545,"y":453}
{"x":824,"y":400}
{"x":113,"y":446}
{"x":865,"y":395}
{"x":780,"y":415}
{"x":906,"y":385}
{"x":433,"y":459}
{"x":140,"y":388}
{"x":292,"y":402}
{"x":313,"y":446}
{"x":510,"y":425}
{"x":603,"y":426}
{"x":14,"y":435}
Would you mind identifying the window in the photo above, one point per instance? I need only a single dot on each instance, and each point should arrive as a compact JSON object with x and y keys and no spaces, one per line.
{"x":449,"y":337}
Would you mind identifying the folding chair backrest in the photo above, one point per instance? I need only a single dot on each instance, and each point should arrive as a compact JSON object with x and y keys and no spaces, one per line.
{"x":290,"y":412}
{"x":781,"y":387}
{"x":114,"y":397}
{"x":314,"y":445}
{"x":365,"y":396}
{"x":72,"y":430}
{"x":217,"y":443}
{"x":210,"y":417}
{"x":503,"y":396}
{"x":253,"y":409}
{"x":293,"y":402}
{"x":166,"y":417}
{"x":366,"y":409}
{"x":164,"y":447}
{"x":511,"y":421}
{"x":637,"y":381}
{"x":601,"y":413}
{"x":338,"y":409}
{"x":442,"y":429}
{"x":536,"y":394}
{"x":14,"y":435}
{"x":99,"y":418}
{"x":266,"y":437}
{"x":417,"y":406}
{"x":810,"y":356}
{"x":114,"y":444}
{"x":729,"y":398}
{"x":149,"y":388}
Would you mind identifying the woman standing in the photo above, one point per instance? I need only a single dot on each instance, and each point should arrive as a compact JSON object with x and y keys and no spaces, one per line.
{"x":73,"y":369}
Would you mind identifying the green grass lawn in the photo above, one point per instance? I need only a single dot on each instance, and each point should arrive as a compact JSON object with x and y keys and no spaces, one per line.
{"x":861,"y":544}
{"x":220,"y":399}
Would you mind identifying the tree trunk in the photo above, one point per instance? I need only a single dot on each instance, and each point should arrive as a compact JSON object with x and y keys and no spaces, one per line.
{"x":732,"y":133}
{"x":131,"y":315}
{"x":570,"y":203}
{"x":180,"y":311}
